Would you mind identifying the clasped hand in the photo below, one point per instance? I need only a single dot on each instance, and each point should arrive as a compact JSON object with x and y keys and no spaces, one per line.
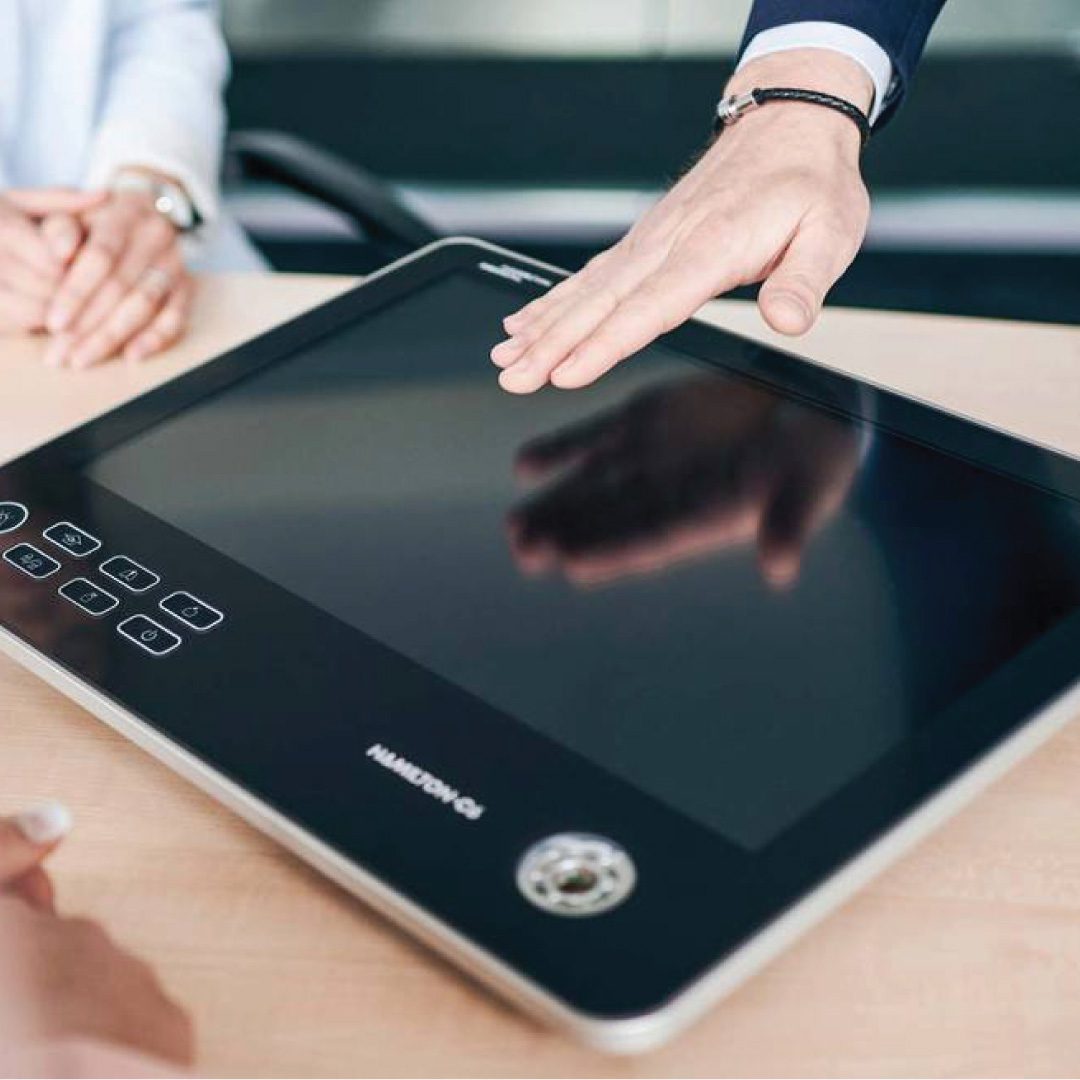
{"x":101,"y":272}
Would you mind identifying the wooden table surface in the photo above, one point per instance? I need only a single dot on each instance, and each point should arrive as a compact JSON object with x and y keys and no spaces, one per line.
{"x":962,"y":959}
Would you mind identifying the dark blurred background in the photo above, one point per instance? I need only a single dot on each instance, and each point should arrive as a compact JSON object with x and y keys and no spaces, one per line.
{"x":549,"y":126}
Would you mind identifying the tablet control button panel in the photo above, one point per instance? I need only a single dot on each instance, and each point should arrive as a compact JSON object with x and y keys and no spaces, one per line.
{"x":194,"y":613}
{"x":84,"y":594}
{"x":149,"y":635}
{"x":13,"y":515}
{"x":72,"y":539}
{"x":29,"y":560}
{"x":576,"y":874}
{"x":129,"y":573}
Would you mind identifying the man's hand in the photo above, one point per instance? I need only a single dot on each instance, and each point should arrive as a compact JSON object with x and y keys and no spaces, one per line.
{"x":39,"y":232}
{"x":778,"y":198}
{"x":127,"y":290}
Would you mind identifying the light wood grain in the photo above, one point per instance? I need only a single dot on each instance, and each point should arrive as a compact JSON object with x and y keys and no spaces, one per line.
{"x":963,"y":959}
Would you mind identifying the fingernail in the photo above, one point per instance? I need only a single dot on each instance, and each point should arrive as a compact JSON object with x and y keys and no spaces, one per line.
{"x":795,"y":306}
{"x":505,"y":348}
{"x":508,"y":383}
{"x":44,"y":823}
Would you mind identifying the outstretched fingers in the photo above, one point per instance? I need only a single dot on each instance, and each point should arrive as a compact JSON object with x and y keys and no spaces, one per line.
{"x":662,"y":302}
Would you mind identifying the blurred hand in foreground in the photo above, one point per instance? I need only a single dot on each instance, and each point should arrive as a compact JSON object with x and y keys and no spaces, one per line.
{"x":72,"y":1002}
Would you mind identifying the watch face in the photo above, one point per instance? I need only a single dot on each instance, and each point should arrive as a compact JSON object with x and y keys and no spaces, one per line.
{"x":170,"y":201}
{"x":169,"y":205}
{"x":174,"y":205}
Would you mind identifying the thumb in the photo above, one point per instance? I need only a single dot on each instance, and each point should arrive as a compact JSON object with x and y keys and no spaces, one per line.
{"x":37,"y":202}
{"x":27,"y":837}
{"x":791,"y":297}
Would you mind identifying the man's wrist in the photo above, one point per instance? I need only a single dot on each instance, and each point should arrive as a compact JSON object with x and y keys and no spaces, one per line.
{"x":808,"y":69}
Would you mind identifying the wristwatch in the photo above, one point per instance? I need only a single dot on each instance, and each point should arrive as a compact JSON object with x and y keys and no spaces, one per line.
{"x":171,"y":201}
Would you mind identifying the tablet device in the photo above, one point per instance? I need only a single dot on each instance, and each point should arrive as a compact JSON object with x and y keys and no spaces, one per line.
{"x":605,"y":694}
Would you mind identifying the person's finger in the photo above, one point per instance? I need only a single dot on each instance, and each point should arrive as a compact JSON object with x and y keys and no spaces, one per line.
{"x":63,"y":233}
{"x":520,"y":318}
{"x":92,"y":266}
{"x":35,"y":888}
{"x":21,"y":240}
{"x":102,"y":302}
{"x":28,"y":836}
{"x":541,"y":309}
{"x":574,"y":307}
{"x":130,"y":317}
{"x":665,"y":300}
{"x":556,"y":340}
{"x":793,"y":294}
{"x":41,"y":201}
{"x":21,"y":313}
{"x":530,"y":369}
{"x":167,"y":327}
{"x":147,"y":243}
{"x":601,"y":266}
{"x":23,"y":280}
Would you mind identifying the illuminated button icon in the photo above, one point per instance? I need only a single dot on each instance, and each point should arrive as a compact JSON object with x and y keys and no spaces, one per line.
{"x":90,"y":597}
{"x":30,"y":561}
{"x":12,"y":516}
{"x":149,"y":635}
{"x":191,"y":611}
{"x":72,"y":539}
{"x":129,"y":573}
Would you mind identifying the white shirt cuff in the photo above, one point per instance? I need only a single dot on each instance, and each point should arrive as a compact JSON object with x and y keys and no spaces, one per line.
{"x":864,"y":50}
{"x":160,"y":146}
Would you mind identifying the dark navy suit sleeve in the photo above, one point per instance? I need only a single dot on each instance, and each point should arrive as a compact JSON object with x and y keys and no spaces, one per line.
{"x":900,"y":27}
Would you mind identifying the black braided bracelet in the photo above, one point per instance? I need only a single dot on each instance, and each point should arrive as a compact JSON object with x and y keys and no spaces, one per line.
{"x":732,"y":108}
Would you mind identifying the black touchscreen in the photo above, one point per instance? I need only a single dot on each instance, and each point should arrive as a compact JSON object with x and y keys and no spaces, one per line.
{"x":735,"y":600}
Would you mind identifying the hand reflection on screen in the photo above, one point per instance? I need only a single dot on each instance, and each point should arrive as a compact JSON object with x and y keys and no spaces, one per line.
{"x":688,"y":468}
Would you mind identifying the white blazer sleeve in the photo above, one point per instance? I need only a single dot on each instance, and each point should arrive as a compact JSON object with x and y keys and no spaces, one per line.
{"x":162,"y":105}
